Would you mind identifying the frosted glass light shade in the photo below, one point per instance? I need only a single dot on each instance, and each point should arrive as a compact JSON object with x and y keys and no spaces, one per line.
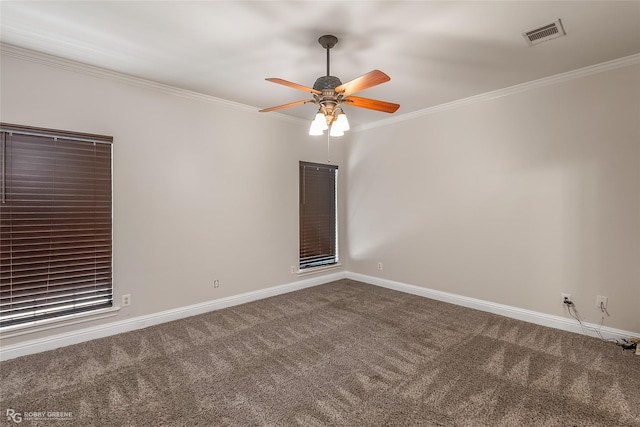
{"x":336,"y":131}
{"x":342,"y":122}
{"x":322,"y":122}
{"x":315,"y":128}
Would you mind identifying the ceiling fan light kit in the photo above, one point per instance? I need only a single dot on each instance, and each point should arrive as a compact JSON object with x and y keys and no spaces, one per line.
{"x":330,"y":95}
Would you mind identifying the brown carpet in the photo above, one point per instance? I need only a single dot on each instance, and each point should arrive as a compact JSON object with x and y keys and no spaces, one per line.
{"x":340,"y":354}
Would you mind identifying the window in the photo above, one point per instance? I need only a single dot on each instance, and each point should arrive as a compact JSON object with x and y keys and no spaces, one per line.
{"x":318,"y":212}
{"x":55,"y":224}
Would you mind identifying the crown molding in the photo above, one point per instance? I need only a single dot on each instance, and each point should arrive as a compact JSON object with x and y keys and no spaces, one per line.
{"x":511,"y":90}
{"x":54,"y":61}
{"x":78,"y":67}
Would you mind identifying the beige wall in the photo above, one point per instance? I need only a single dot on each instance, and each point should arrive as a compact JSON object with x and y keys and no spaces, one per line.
{"x":512,"y":200}
{"x":202,"y":190}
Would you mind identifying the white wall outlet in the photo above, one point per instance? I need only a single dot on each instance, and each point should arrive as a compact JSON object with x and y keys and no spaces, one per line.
{"x":216,"y":283}
{"x":601,"y":302}
{"x":293,"y":269}
{"x":126,"y":300}
{"x":567,"y":296}
{"x":379,"y":266}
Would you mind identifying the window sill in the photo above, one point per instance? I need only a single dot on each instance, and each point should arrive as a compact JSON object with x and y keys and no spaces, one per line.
{"x":46,"y":324}
{"x":314,"y":270}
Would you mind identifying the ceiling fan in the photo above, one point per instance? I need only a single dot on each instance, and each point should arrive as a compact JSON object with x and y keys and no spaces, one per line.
{"x":330,"y":94}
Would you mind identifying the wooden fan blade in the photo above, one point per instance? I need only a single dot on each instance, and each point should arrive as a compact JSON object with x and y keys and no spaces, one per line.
{"x":291,"y":104}
{"x":371,"y":104}
{"x":293,"y":85}
{"x":372,"y":78}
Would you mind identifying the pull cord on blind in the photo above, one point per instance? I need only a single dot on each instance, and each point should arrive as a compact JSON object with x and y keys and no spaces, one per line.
{"x":318,"y":208}
{"x":55,"y":224}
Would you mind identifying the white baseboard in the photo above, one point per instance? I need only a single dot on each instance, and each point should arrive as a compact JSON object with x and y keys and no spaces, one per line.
{"x":113,"y":328}
{"x":538,"y":318}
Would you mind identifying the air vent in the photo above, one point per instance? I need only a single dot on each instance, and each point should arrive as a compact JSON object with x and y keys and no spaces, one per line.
{"x":544,"y":33}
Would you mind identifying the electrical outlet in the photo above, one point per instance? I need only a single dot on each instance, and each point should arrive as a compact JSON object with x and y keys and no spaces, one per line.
{"x":379,"y":266}
{"x":216,"y":283}
{"x":293,"y":269}
{"x":565,"y":296}
{"x":126,"y":300}
{"x":601,"y":302}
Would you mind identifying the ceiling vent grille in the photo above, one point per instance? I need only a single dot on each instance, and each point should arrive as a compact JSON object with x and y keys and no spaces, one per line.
{"x":544,"y":33}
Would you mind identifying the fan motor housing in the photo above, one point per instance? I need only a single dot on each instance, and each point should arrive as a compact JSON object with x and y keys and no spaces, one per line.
{"x":326,"y":83}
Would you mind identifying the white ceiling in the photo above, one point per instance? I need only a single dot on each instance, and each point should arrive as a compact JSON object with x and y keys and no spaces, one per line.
{"x":434,"y":51}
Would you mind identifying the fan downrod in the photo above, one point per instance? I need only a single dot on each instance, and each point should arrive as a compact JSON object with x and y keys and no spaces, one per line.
{"x":328,"y":41}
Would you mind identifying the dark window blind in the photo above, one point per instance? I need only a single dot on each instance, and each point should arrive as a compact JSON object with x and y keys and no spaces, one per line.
{"x":55,"y":224}
{"x":318,"y":232}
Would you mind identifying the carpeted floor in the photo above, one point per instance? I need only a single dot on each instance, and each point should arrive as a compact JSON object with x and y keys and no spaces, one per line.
{"x":340,"y":354}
